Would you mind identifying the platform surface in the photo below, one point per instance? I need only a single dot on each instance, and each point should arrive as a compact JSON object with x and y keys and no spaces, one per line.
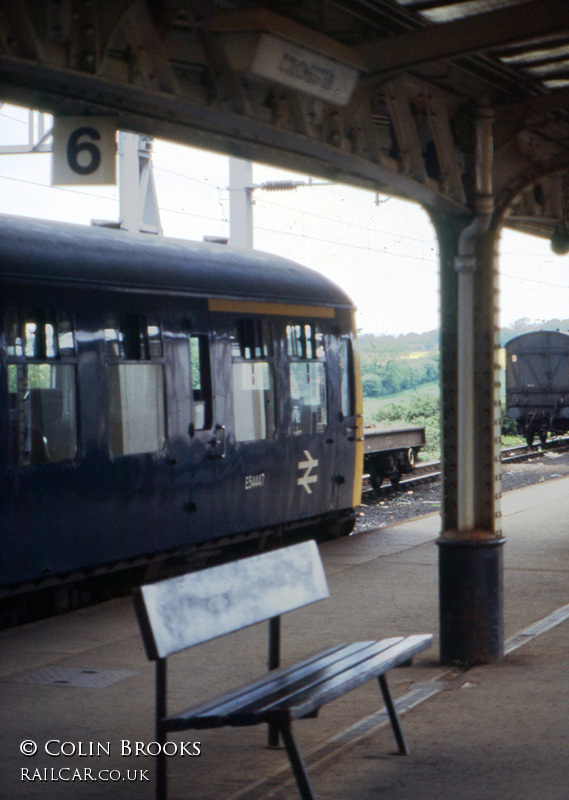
{"x":76,"y":692}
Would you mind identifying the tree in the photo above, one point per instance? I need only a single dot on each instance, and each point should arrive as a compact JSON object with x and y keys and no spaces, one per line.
{"x":371,"y":385}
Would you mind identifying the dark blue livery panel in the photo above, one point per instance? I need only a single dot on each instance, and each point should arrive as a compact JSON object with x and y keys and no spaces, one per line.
{"x":158,"y":395}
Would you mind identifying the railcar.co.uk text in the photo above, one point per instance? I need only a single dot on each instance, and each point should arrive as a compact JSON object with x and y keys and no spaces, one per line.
{"x":56,"y":748}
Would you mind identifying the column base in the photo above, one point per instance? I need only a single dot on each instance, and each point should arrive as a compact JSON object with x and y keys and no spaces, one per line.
{"x":471,"y":601}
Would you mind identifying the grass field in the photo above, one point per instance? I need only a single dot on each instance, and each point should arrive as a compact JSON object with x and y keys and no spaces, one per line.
{"x":373,"y":404}
{"x":407,"y":400}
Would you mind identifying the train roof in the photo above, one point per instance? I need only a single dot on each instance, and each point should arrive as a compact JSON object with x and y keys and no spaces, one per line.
{"x":37,"y":251}
{"x":537,"y":337}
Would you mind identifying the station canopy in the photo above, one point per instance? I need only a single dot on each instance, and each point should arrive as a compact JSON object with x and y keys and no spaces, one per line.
{"x":377,"y":93}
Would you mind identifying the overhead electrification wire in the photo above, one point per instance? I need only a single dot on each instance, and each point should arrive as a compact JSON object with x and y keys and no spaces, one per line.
{"x":14,"y":119}
{"x":351,"y":245}
{"x":311,"y":237}
{"x":188,"y":178}
{"x":310,"y":214}
{"x":57,"y":188}
{"x":534,"y":280}
{"x":340,"y":221}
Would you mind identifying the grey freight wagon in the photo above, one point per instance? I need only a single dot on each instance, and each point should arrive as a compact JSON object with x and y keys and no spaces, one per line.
{"x":537,"y":383}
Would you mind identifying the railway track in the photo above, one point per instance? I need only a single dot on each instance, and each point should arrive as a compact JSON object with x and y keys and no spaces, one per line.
{"x":430,"y":471}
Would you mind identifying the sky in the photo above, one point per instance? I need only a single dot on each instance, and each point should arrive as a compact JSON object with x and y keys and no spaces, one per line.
{"x":382,"y":251}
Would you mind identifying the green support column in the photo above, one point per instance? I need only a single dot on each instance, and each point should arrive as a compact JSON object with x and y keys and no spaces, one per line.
{"x":470,"y":546}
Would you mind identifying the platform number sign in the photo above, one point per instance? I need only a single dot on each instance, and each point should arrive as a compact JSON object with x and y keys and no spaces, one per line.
{"x":84,"y":150}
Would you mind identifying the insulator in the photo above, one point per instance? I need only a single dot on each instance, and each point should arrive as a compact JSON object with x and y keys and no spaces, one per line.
{"x":281,"y":186}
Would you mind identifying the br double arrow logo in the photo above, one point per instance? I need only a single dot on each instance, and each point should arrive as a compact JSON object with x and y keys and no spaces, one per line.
{"x":308,"y":465}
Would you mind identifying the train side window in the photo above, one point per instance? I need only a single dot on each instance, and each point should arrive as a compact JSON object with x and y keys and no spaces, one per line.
{"x":307,"y":373}
{"x":42,"y":388}
{"x":132,"y":337}
{"x":201,"y":381}
{"x":136,"y":408}
{"x":345,"y":355}
{"x":253,"y":380}
{"x":305,"y":340}
{"x":251,"y":339}
{"x":308,"y":397}
{"x":135,"y":375}
{"x":65,"y":336}
{"x":253,"y":400}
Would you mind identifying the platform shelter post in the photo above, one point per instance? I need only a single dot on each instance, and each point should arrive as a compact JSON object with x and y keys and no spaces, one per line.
{"x":471,"y":541}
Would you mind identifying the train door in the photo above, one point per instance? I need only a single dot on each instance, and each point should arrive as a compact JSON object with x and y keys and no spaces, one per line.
{"x":348,"y":434}
{"x":249,"y":462}
{"x":192,"y":449}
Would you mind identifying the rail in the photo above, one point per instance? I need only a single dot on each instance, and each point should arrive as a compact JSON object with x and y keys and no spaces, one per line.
{"x":428,"y":471}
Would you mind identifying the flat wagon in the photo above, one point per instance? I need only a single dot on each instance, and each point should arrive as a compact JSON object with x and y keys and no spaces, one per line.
{"x":391,"y":453}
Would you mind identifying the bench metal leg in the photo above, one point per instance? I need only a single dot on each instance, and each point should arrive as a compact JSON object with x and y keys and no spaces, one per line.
{"x":161,"y":779}
{"x":274,"y":663}
{"x":161,"y":684}
{"x":296,"y":762}
{"x":393,"y":715}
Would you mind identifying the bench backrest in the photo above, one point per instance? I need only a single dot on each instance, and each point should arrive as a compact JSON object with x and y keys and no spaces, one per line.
{"x":179,"y":612}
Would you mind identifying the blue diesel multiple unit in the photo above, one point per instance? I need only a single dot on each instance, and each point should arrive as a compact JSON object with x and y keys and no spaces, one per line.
{"x":157,"y":396}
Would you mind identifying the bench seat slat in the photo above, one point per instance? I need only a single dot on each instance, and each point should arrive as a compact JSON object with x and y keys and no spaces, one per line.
{"x":351,"y":657}
{"x":236,"y":698}
{"x":292,"y":693}
{"x":312,"y":698}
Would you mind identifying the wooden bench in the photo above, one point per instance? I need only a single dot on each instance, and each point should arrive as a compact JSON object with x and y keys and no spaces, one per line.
{"x":177,"y":613}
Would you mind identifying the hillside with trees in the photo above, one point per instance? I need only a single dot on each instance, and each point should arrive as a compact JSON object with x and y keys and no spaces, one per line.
{"x":400,"y":378}
{"x":393,"y":364}
{"x":525,"y":325}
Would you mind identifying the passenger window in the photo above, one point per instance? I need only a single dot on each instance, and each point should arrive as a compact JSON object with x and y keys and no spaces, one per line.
{"x":308,"y":397}
{"x":253,"y":380}
{"x":132,"y":337}
{"x":253,"y":401}
{"x":307,"y":373}
{"x":136,"y":407}
{"x":201,"y":382}
{"x":41,"y":388}
{"x":305,"y":341}
{"x":252,"y":339}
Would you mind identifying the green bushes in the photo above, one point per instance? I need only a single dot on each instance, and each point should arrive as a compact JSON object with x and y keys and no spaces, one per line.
{"x":422,"y":410}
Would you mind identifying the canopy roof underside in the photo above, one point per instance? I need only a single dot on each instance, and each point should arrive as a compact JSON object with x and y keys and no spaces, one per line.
{"x":378,"y":93}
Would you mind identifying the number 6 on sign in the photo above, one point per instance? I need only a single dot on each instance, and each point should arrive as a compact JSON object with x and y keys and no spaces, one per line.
{"x":84,"y":150}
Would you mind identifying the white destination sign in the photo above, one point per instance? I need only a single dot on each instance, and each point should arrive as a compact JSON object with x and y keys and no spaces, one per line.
{"x":303,"y":69}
